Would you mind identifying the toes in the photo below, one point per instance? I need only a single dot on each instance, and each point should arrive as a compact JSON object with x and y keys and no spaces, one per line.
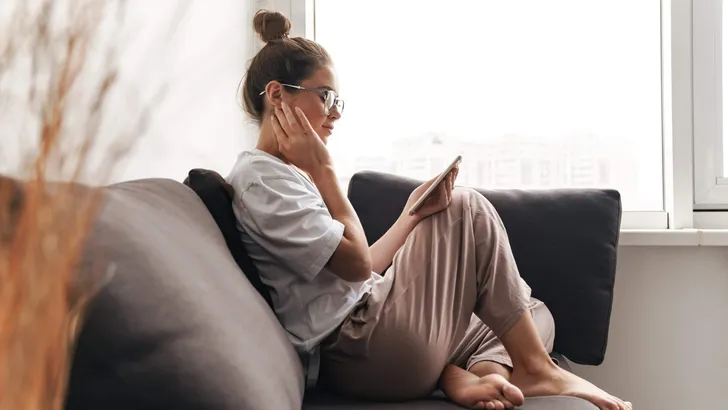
{"x":495,"y":405}
{"x":623,"y":405}
{"x":606,"y":404}
{"x":492,"y":392}
{"x":611,"y":404}
{"x":512,"y":395}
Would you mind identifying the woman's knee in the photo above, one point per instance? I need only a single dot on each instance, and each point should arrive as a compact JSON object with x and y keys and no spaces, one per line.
{"x":465,"y":204}
{"x":469,"y":199}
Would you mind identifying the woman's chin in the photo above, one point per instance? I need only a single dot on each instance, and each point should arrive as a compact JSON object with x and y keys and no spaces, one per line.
{"x":324,"y":134}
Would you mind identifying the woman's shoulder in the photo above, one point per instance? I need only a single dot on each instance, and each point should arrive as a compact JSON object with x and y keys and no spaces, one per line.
{"x":256,"y":166}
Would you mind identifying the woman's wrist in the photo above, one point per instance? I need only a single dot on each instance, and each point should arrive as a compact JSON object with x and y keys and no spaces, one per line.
{"x":408,"y":221}
{"x":322,"y":172}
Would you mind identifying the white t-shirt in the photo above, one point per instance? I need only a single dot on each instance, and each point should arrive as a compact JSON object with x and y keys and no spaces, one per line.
{"x":290,"y":236}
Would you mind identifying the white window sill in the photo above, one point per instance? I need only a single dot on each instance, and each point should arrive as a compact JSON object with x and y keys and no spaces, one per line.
{"x":673,"y":237}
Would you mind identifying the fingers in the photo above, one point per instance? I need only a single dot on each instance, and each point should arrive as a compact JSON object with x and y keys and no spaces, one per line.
{"x":279,"y":132}
{"x":291,"y":118}
{"x":283,"y":121}
{"x":448,"y":188}
{"x":308,"y":129}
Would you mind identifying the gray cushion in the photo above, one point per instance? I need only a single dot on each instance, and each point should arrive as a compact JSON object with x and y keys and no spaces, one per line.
{"x":323,"y":400}
{"x":178,"y":326}
{"x":438,"y":402}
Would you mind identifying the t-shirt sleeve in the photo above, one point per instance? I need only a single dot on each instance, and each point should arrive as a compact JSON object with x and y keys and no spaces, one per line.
{"x":290,"y":222}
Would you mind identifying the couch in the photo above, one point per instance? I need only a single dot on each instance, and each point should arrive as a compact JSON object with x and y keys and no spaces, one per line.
{"x":185,"y":322}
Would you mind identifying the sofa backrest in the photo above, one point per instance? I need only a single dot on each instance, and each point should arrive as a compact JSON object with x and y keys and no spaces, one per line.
{"x":217,"y":195}
{"x":564,"y":242}
{"x":178,"y":326}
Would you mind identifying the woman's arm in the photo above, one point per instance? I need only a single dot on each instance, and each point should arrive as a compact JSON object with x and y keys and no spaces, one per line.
{"x":352,"y":260}
{"x":383,"y":250}
{"x":300,"y":144}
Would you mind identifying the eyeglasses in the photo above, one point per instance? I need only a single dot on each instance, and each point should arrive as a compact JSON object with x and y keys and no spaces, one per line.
{"x":329,"y":97}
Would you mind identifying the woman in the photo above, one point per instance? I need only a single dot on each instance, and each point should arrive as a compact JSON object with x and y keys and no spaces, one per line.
{"x":451,"y":311}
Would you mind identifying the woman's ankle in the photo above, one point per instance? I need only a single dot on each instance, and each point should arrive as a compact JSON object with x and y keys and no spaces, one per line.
{"x":537,"y":363}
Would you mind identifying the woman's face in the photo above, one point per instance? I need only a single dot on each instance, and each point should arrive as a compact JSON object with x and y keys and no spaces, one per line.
{"x":312,"y":100}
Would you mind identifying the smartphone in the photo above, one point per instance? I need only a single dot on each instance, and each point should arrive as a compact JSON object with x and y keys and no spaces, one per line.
{"x":416,"y":207}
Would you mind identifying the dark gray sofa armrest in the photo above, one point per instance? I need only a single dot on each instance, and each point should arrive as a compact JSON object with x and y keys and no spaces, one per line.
{"x":564,"y":241}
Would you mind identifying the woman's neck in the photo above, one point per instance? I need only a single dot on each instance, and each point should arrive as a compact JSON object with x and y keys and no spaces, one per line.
{"x":267,"y":141}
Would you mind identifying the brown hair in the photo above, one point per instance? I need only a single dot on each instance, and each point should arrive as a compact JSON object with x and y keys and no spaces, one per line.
{"x":283,"y":59}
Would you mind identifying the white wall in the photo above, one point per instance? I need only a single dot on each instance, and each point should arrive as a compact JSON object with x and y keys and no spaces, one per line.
{"x":668,"y":344}
{"x":200,"y":121}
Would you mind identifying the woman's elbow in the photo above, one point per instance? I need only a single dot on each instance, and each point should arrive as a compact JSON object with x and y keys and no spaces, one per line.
{"x":365,"y":271}
{"x":360,"y":270}
{"x":351,"y":263}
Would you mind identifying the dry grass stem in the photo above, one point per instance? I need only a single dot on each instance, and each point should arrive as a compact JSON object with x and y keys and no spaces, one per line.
{"x":65,"y":111}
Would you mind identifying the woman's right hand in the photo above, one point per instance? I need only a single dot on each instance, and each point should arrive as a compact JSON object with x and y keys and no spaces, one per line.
{"x":298,"y":142}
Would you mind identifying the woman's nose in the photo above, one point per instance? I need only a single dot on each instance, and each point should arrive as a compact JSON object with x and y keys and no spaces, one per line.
{"x":335,"y":113}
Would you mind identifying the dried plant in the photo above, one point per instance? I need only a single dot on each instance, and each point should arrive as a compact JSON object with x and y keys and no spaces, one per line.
{"x":68,"y":119}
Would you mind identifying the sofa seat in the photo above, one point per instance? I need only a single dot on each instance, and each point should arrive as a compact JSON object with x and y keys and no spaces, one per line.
{"x":323,"y":401}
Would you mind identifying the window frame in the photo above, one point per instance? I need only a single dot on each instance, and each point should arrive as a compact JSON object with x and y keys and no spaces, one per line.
{"x":711,"y":187}
{"x":691,"y":106}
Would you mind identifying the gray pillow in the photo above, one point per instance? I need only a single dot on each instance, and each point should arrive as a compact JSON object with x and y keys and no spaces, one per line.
{"x":178,"y":326}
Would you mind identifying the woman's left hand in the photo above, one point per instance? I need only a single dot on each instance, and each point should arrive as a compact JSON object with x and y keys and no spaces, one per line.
{"x":439,"y":199}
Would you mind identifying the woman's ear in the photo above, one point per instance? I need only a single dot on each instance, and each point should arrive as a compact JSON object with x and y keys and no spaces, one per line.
{"x":274,"y":94}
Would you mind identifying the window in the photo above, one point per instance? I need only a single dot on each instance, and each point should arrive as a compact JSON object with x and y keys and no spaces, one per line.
{"x":566,"y":93}
{"x":710,"y":69}
{"x":724,"y":72}
{"x":548,"y":99}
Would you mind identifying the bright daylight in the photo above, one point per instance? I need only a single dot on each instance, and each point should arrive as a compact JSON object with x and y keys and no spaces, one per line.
{"x":529,"y":103}
{"x":346,"y":204}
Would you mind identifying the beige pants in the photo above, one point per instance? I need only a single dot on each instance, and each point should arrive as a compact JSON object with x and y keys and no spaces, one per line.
{"x":452,"y":291}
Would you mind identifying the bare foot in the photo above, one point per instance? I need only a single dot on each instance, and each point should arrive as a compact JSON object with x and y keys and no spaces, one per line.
{"x":491,"y":392}
{"x":555,"y":381}
{"x":485,"y":368}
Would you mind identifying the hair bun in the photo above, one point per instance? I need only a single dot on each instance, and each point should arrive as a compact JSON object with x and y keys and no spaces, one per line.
{"x":271,"y":25}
